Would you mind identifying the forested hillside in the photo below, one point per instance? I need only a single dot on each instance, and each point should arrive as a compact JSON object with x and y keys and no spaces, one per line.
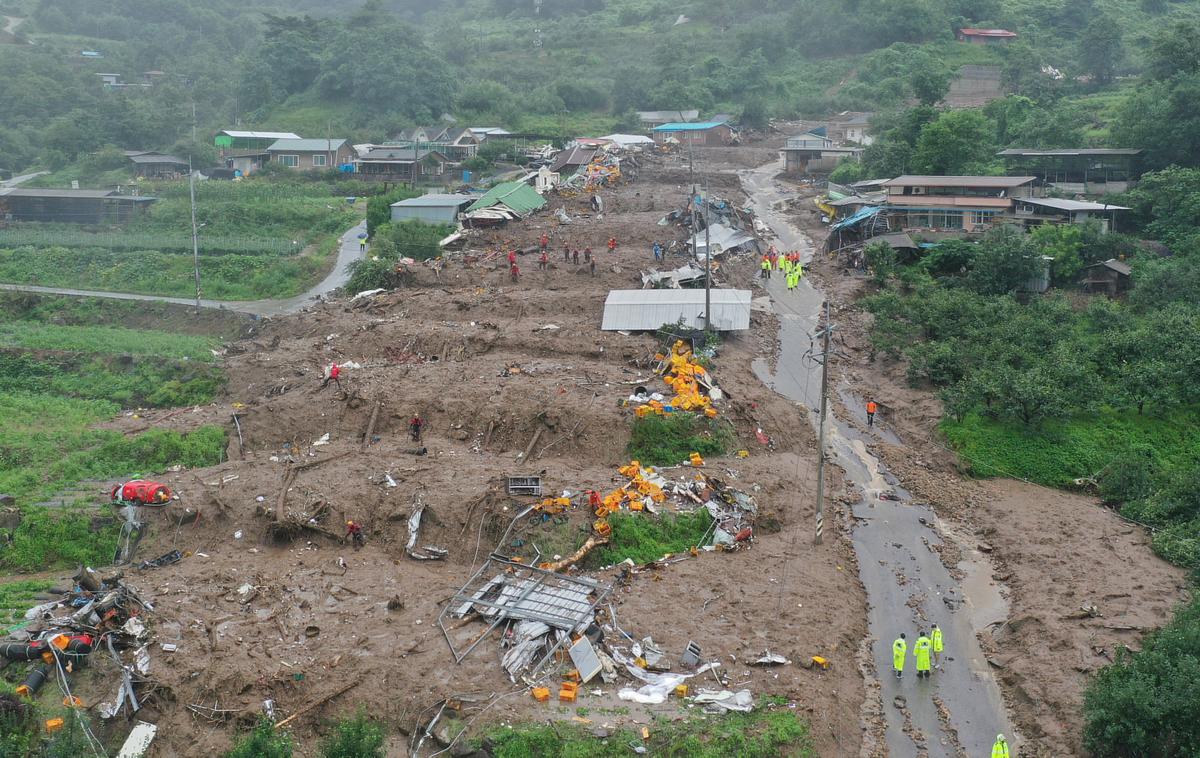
{"x":369,"y":68}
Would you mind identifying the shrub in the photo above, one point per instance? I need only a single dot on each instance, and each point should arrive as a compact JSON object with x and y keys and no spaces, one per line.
{"x":359,"y":737}
{"x":264,"y":741}
{"x":668,"y":440}
{"x":644,"y":537}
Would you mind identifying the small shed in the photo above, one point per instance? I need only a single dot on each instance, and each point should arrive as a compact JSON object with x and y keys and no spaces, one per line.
{"x":1110,"y":277}
{"x":646,"y":310}
{"x":432,"y":208}
{"x":518,"y":197}
{"x":153,"y":165}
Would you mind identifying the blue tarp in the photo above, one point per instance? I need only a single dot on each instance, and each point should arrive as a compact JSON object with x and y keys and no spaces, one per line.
{"x":856,"y":219}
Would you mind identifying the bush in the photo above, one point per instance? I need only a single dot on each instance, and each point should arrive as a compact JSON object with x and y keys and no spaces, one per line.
{"x":359,"y":737}
{"x":1145,"y":703}
{"x":668,"y":440}
{"x":644,"y":537}
{"x":263,"y":742}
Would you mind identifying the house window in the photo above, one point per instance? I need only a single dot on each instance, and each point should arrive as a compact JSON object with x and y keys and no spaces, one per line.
{"x":291,"y":161}
{"x":983,"y":218}
{"x":319,"y":160}
{"x":917,"y":220}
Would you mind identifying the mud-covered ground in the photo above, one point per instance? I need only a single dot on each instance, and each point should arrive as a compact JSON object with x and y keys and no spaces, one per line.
{"x":487,"y":363}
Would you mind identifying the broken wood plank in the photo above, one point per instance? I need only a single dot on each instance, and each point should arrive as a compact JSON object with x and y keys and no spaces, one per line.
{"x":529,"y":448}
{"x":319,"y":703}
{"x":366,"y":443}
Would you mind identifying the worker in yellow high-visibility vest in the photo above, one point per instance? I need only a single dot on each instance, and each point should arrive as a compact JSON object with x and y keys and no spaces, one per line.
{"x":921,"y":652}
{"x":899,"y":651}
{"x":1000,"y":748}
{"x":936,"y":636}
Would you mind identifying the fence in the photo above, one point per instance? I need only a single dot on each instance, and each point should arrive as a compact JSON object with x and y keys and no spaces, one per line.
{"x":17,"y":237}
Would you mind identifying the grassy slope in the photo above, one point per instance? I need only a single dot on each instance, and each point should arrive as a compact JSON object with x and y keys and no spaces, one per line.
{"x":1060,"y":451}
{"x":50,"y":402}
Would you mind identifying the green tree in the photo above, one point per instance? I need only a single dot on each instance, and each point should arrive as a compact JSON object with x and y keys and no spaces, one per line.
{"x":1175,"y":50}
{"x":881,"y":259}
{"x":1063,"y":243}
{"x":958,"y":142}
{"x":1101,"y":49}
{"x":1145,"y":703}
{"x":1004,"y":261}
{"x":930,"y":84}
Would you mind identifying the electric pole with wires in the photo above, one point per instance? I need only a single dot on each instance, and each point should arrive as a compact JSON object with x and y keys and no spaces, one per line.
{"x":823,"y":357}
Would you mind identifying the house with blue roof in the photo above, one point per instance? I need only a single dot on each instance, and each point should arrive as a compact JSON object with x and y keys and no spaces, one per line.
{"x":695,"y":133}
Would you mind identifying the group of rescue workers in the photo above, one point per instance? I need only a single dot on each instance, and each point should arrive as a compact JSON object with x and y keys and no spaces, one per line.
{"x":789,"y":263}
{"x":928,"y":654}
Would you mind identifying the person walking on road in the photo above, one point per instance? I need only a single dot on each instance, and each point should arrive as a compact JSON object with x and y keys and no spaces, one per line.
{"x":921,"y":652}
{"x":362,"y":244}
{"x":871,"y":409}
{"x":936,"y":636}
{"x":899,"y":650}
{"x":765,"y":273}
{"x":1000,"y":747}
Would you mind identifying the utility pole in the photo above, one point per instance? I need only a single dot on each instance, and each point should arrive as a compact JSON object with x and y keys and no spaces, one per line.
{"x":707,"y":263}
{"x":195,"y":241}
{"x":825,"y":355}
{"x":692,"y":202}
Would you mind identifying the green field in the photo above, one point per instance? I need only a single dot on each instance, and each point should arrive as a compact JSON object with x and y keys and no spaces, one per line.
{"x":65,"y":366}
{"x":270,"y":238}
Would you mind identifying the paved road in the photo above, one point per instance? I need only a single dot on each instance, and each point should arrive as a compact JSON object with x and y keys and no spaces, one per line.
{"x":16,"y":180}
{"x":907,"y":585}
{"x":348,"y":252}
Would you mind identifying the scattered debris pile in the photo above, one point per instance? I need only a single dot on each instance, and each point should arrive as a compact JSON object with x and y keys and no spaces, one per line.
{"x":693,"y":385}
{"x":101,"y":616}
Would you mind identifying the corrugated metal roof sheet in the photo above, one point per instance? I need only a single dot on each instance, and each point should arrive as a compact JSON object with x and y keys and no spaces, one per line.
{"x":1070,"y":205}
{"x":307,"y":145}
{"x":1074,"y":151}
{"x":959,"y":181}
{"x":640,"y":310}
{"x":853,"y":221}
{"x":579,"y":155}
{"x":698,"y":126}
{"x":516,"y":195}
{"x":433,"y":200}
{"x":260,"y":135}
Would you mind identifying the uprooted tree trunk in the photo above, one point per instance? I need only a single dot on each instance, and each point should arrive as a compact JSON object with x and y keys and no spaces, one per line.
{"x":592,"y":542}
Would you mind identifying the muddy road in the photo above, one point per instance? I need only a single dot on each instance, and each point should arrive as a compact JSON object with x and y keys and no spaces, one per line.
{"x":959,"y":710}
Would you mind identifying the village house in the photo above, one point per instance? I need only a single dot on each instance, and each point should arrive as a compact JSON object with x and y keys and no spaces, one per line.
{"x":457,"y":144}
{"x":1087,"y":171}
{"x":148,"y":164}
{"x":395,"y":163}
{"x":697,"y":133}
{"x":311,"y":154}
{"x":570,"y":160}
{"x":651,"y":119}
{"x":235,"y":139}
{"x":953,"y":203}
{"x":985,"y":36}
{"x":850,"y":127}
{"x":813,"y":154}
{"x":70,"y":206}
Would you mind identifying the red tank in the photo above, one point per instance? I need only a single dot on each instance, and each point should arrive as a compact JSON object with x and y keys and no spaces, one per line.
{"x":142,"y":491}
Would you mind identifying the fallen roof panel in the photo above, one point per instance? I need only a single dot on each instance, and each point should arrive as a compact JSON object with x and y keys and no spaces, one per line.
{"x":643,"y":310}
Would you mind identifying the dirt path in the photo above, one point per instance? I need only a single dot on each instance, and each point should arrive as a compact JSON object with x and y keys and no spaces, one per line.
{"x":960,"y":710}
{"x":348,"y":251}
